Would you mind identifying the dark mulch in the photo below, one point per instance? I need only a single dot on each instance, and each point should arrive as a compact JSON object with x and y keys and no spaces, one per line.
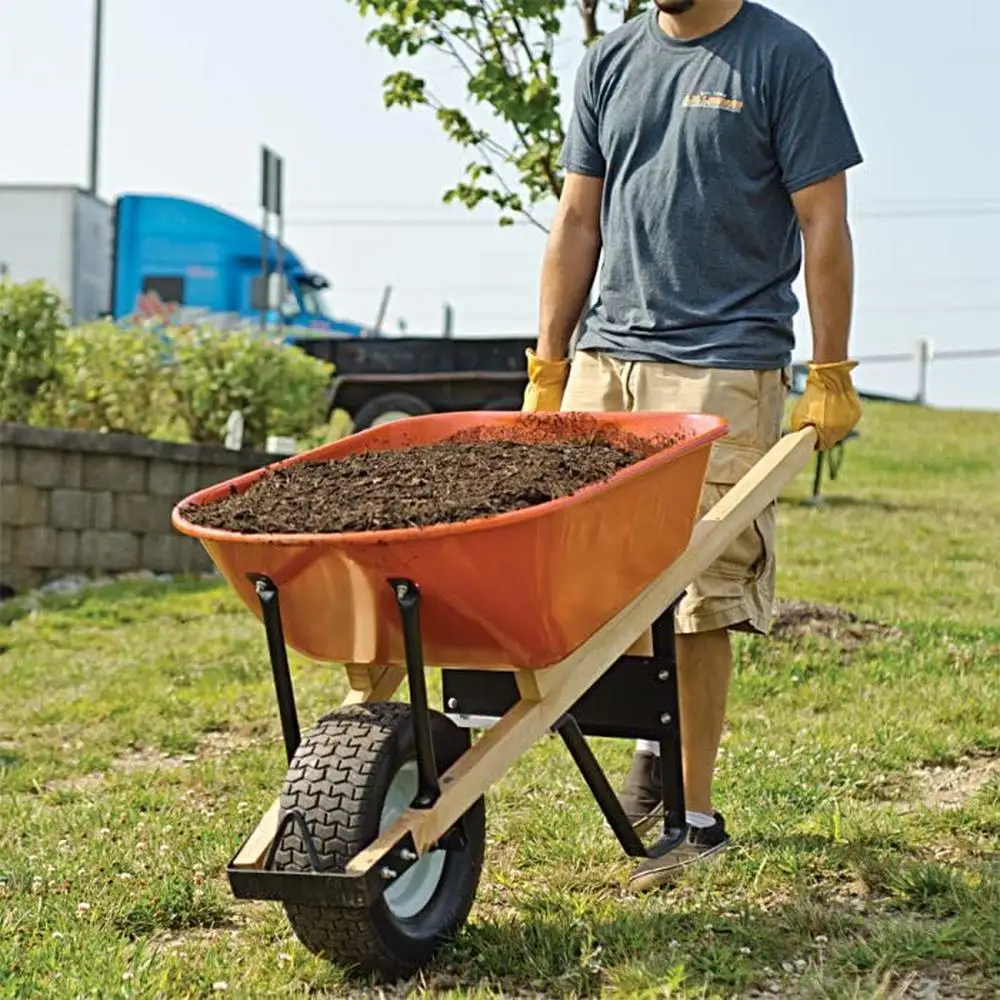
{"x":453,"y":481}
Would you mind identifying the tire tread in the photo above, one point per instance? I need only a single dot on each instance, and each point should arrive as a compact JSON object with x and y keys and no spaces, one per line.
{"x":330,"y":781}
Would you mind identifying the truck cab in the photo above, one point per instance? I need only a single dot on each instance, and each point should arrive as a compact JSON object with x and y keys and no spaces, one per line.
{"x":178,"y":260}
{"x":174,"y":257}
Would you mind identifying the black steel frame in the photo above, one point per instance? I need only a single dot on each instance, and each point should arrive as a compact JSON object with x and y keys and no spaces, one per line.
{"x":636,"y":698}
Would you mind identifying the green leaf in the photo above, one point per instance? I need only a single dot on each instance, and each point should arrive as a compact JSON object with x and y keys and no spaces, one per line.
{"x":510,"y":119}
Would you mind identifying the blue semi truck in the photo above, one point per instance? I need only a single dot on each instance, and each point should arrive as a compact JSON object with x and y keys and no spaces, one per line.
{"x":200,"y":259}
{"x":158,"y":255}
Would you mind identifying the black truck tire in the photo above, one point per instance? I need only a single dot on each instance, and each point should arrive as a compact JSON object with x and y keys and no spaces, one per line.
{"x":388,"y":407}
{"x":343,"y":778}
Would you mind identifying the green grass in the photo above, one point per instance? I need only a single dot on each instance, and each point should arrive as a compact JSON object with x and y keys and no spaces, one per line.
{"x":139,"y":744}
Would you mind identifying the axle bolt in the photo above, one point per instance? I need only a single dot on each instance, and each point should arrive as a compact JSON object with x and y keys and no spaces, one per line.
{"x":666,"y":718}
{"x":663,"y":675}
{"x":407,"y":855}
{"x":387,"y":874}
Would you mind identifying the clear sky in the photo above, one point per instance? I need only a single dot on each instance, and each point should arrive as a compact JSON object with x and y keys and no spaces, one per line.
{"x":192,"y":87}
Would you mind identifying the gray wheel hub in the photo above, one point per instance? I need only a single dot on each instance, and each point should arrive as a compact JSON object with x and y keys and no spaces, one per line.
{"x":413,"y":890}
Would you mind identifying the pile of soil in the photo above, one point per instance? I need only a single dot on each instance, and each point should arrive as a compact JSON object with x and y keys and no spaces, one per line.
{"x":802,"y":620}
{"x":460,"y":479}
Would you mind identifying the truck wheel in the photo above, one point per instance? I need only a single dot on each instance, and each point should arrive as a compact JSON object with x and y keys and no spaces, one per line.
{"x":385,"y":409}
{"x":351,"y":777}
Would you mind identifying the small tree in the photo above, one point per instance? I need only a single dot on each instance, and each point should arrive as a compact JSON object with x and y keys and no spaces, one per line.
{"x":504,"y":50}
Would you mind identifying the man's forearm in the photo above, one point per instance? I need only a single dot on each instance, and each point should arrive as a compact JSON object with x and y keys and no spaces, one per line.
{"x":829,"y":270}
{"x":568,"y":271}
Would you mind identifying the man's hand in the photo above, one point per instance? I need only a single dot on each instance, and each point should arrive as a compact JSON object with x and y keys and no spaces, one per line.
{"x":829,"y":403}
{"x":546,"y":382}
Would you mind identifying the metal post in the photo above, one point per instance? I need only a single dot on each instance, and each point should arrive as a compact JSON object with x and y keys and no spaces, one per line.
{"x":818,"y":475}
{"x":266,"y":204}
{"x":264,"y":272}
{"x":383,"y":307}
{"x":923,"y":364}
{"x":95,"y":95}
{"x":279,"y":211}
{"x":408,"y":600}
{"x":267,"y":594}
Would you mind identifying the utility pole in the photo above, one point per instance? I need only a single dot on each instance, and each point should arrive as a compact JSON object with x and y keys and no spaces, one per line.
{"x":95,"y":96}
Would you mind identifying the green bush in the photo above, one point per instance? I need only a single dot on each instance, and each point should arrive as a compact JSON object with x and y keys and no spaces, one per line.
{"x":278,"y":388}
{"x":177,"y":382}
{"x":108,"y":378}
{"x":32,"y":316}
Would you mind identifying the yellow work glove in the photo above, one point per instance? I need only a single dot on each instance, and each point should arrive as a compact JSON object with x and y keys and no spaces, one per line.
{"x":829,"y":403}
{"x":546,"y":382}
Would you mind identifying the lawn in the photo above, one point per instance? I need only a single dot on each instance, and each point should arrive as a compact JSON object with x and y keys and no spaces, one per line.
{"x":139,"y":744}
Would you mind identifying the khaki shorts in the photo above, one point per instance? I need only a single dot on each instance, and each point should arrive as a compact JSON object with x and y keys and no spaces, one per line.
{"x":737,"y":591}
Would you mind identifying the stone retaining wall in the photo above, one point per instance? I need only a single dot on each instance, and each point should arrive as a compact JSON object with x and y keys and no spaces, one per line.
{"x":74,"y":503}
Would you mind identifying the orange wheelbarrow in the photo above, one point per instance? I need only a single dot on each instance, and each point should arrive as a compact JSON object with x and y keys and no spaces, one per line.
{"x":376,"y":843}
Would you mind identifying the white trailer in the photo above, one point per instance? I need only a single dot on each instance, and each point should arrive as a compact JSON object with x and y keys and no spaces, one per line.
{"x":64,"y":236}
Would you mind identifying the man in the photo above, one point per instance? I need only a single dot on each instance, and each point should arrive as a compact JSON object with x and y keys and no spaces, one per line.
{"x":707,"y":144}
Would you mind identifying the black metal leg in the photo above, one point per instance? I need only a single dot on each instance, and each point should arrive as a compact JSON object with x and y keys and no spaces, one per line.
{"x":267,"y":594}
{"x":408,"y":599}
{"x":597,"y":781}
{"x":818,"y":475}
{"x":671,"y":759}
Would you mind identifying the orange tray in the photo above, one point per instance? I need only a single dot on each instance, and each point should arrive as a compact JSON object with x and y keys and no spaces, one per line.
{"x":520,"y":590}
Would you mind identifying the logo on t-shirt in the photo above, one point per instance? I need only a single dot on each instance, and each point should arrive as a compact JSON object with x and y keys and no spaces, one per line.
{"x":717,"y":100}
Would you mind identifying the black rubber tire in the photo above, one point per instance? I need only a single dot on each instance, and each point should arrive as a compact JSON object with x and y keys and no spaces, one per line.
{"x":413,"y":406}
{"x":338,"y":780}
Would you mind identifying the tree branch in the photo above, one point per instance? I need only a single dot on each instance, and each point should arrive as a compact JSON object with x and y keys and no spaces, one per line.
{"x":632,"y":9}
{"x":588,"y":11}
{"x":510,"y":191}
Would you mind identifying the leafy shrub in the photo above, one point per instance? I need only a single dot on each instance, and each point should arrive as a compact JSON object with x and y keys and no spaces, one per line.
{"x":108,"y":378}
{"x":278,"y":388}
{"x":31,"y":317}
{"x":179,"y":382}
{"x":299,"y":401}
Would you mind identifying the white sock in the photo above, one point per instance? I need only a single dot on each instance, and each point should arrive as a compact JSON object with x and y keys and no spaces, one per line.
{"x":648,"y":746}
{"x":700,"y":820}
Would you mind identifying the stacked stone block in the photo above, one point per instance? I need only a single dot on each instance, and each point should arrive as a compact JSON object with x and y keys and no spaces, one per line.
{"x":93,"y":504}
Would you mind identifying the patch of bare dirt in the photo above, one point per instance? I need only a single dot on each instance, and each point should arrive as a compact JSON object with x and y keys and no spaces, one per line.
{"x":216,"y":745}
{"x":952,"y":787}
{"x":941,"y":982}
{"x":224,"y":742}
{"x":79,"y":783}
{"x":796,"y":620}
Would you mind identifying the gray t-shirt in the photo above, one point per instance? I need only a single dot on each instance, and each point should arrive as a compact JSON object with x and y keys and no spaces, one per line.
{"x":701,"y":143}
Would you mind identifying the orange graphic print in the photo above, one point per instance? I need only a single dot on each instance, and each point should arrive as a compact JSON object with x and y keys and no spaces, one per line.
{"x":719,"y":101}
